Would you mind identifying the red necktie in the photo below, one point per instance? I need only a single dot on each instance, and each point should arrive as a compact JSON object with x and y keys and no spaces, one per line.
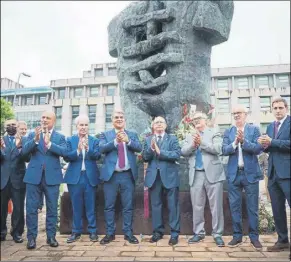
{"x":121,"y":156}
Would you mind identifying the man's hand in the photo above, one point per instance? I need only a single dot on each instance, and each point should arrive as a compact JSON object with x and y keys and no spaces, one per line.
{"x":80,"y":145}
{"x":37,"y":131}
{"x":2,"y":143}
{"x":157,"y":148}
{"x":265,"y":140}
{"x":153,"y":142}
{"x":240,"y":136}
{"x":196,"y":138}
{"x":119,"y":137}
{"x":123,"y":137}
{"x":18,"y":142}
{"x":85,"y":143}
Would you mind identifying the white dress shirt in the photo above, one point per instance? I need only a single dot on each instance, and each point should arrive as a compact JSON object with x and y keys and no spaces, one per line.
{"x":240,"y":153}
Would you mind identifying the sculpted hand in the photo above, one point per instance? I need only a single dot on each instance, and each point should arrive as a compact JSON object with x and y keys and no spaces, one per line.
{"x":37,"y":131}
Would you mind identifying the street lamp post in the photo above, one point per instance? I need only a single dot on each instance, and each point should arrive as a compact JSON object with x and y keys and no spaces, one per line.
{"x":24,"y":74}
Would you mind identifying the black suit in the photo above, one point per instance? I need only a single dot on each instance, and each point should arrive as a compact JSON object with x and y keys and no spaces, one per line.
{"x":12,"y":186}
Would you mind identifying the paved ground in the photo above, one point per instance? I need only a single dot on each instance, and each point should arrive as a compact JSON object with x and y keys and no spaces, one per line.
{"x":120,"y":250}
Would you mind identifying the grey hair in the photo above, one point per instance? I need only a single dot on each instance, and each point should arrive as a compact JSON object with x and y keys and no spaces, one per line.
{"x":240,"y":106}
{"x":203,"y":115}
{"x":117,"y":110}
{"x":21,"y":123}
{"x":81,"y":117}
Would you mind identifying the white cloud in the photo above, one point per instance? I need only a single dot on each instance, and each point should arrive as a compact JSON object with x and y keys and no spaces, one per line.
{"x":52,"y":40}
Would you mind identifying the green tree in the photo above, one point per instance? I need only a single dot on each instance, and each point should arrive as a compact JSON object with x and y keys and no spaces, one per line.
{"x":6,"y":112}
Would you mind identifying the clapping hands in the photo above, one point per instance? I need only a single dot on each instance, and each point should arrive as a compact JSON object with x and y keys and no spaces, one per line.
{"x":154,"y":146}
{"x":196,"y":140}
{"x":122,"y":137}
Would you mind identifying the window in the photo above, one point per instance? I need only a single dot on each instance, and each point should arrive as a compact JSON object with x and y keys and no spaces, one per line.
{"x":40,"y":99}
{"x":75,"y":113}
{"x":94,"y":91}
{"x":262,"y":81}
{"x":222,"y":83}
{"x":58,"y":112}
{"x":265,"y":103}
{"x":283,"y":80}
{"x":263,"y":127}
{"x":242,"y":83}
{"x":244,"y":101}
{"x":61,"y":93}
{"x":16,"y":101}
{"x":112,"y":71}
{"x":287,"y":98}
{"x":223,"y":105}
{"x":32,"y":119}
{"x":26,"y":100}
{"x":223,"y":127}
{"x":78,"y":92}
{"x":111,"y":90}
{"x":92,"y":118}
{"x":10,"y":99}
{"x":108,"y":113}
{"x":98,"y":72}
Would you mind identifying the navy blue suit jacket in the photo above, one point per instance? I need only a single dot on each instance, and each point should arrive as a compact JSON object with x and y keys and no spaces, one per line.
{"x":13,"y":164}
{"x":41,"y":160}
{"x":250,"y":148}
{"x":170,"y":153}
{"x":110,"y":150}
{"x":279,"y":150}
{"x":73,"y":172}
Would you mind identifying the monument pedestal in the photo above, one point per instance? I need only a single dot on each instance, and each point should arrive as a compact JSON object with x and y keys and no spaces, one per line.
{"x":142,"y":225}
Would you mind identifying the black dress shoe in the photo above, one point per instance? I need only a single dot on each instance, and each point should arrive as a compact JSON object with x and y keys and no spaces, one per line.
{"x":52,"y":242}
{"x":131,"y":239}
{"x":74,"y":237}
{"x":31,"y":244}
{"x":107,"y":239}
{"x":156,"y":237}
{"x":93,"y":237}
{"x":173,"y":241}
{"x":17,"y":239}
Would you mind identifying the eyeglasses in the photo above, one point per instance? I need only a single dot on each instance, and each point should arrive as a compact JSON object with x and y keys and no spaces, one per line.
{"x":237,"y":113}
{"x":118,"y":117}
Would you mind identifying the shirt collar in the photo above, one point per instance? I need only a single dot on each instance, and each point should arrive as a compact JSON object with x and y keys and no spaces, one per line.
{"x":161,"y":134}
{"x":282,"y":120}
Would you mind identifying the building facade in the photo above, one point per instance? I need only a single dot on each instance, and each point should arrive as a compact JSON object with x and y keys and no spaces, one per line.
{"x":97,"y":93}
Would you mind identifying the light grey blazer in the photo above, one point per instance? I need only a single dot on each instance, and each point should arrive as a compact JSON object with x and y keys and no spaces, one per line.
{"x":211,"y":149}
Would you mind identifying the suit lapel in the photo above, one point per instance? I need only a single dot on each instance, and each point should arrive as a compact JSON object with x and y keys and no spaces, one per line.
{"x":284,"y":125}
{"x":75,"y":142}
{"x":7,"y":141}
{"x":164,"y":141}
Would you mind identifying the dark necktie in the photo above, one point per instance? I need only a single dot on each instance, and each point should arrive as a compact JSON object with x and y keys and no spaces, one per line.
{"x":121,"y":156}
{"x":11,"y":140}
{"x":277,"y":124}
{"x":159,"y":142}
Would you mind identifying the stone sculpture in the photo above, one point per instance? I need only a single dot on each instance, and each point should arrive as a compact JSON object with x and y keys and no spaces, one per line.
{"x":163,"y":50}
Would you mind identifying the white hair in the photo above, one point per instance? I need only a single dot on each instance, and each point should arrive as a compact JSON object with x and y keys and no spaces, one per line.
{"x":117,"y":110}
{"x":240,"y":106}
{"x":22,"y":123}
{"x":81,"y":117}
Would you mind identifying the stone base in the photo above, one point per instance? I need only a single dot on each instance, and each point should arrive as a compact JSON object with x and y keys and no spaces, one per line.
{"x":144,"y":226}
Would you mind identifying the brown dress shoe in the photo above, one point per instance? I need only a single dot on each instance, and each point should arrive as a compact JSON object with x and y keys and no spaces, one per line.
{"x":279,"y":247}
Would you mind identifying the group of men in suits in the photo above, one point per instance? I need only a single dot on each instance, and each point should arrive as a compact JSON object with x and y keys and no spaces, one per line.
{"x":241,"y":143}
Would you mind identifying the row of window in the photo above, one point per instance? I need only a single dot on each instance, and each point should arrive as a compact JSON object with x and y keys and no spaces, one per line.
{"x":223,"y":104}
{"x":92,"y":91}
{"x":263,"y":81}
{"x":112,"y":71}
{"x":27,"y":100}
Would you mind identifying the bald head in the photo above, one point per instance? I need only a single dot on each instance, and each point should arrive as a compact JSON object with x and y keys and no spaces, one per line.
{"x":48,"y":119}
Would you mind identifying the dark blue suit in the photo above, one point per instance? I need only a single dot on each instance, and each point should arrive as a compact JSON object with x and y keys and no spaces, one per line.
{"x":279,"y":176}
{"x":247,"y":178}
{"x":113,"y":180}
{"x":12,"y":186}
{"x":163,"y":173}
{"x":82,"y":185}
{"x":43,"y":174}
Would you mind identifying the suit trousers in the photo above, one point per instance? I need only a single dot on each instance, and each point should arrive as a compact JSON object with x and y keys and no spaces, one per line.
{"x":123,"y":181}
{"x":83,"y":195}
{"x":201,"y":189}
{"x":279,"y":190}
{"x":235,"y":201}
{"x":33,"y":199}
{"x":156,"y":192}
{"x":17,"y":219}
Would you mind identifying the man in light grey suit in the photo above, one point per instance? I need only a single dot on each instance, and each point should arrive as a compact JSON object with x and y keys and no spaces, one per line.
{"x":206,"y":176}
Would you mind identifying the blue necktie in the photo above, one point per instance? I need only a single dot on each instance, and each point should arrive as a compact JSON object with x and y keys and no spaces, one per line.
{"x":198,"y":163}
{"x":11,"y":138}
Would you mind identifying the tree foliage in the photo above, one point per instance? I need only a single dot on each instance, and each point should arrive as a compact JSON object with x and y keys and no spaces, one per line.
{"x":6,"y":112}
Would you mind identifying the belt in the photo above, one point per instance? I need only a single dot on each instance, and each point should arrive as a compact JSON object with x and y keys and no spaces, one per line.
{"x":115,"y":171}
{"x":241,"y":168}
{"x":201,"y":170}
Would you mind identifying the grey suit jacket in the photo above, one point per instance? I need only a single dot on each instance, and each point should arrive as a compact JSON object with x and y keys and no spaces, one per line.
{"x":211,"y":149}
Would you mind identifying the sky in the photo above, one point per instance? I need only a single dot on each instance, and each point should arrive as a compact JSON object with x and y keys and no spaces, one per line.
{"x":56,"y":40}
